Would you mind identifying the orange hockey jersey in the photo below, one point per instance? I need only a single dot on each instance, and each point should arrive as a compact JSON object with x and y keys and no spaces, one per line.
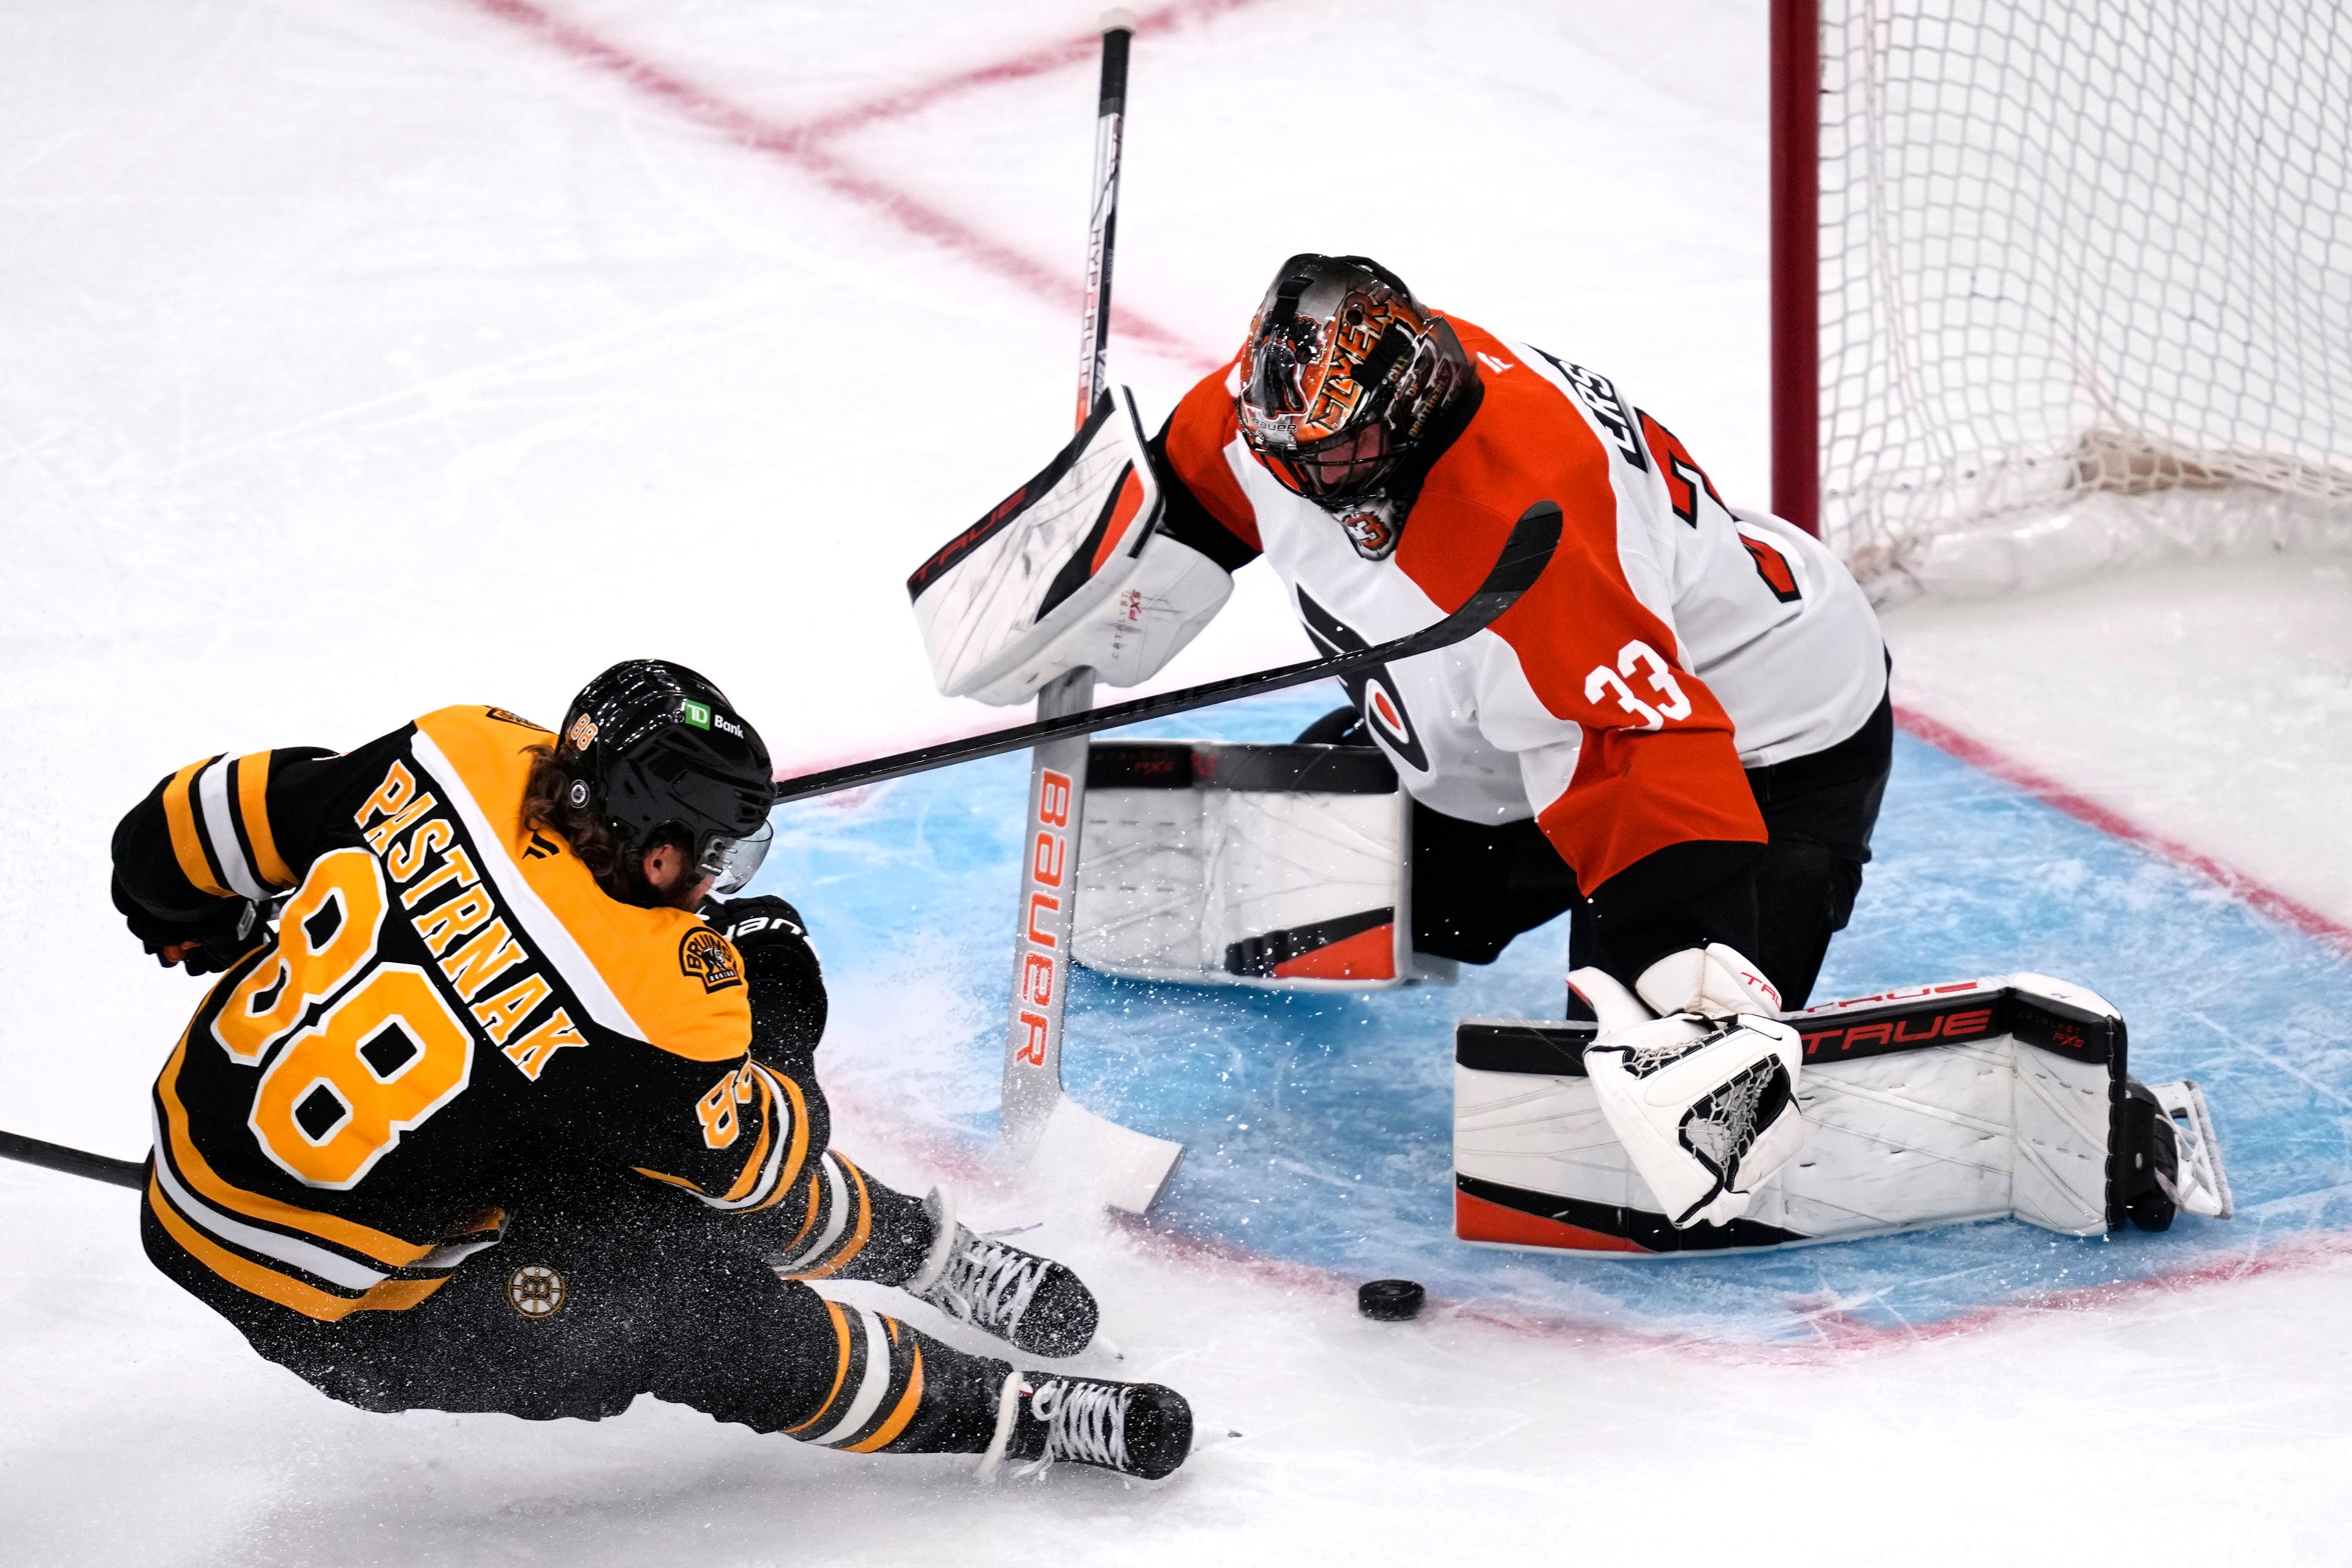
{"x":1671,"y":643}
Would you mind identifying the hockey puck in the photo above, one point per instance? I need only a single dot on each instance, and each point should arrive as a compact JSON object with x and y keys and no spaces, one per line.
{"x":1390,"y":1300}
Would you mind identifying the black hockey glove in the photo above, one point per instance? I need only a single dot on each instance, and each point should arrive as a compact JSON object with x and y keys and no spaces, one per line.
{"x":204,"y":945}
{"x":779,"y":966}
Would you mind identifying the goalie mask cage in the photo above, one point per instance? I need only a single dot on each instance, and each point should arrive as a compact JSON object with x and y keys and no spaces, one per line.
{"x":2059,"y":284}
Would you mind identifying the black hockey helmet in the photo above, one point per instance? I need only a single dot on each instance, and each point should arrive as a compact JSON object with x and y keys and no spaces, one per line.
{"x":652,"y":745}
{"x":1343,"y":374}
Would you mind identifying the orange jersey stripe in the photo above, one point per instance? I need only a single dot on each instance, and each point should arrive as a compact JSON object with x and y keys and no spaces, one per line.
{"x":794,"y":1153}
{"x":187,"y":841}
{"x":1202,"y":427}
{"x":808,"y":1218}
{"x":840,"y":1371}
{"x":391,"y":1296}
{"x":856,"y":1243}
{"x":905,"y":1411}
{"x":759,"y":1160}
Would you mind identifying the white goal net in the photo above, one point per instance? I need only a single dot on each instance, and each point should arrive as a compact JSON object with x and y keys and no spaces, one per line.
{"x":2086,"y":282}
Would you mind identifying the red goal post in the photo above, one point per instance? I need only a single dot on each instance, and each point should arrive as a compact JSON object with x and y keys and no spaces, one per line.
{"x":2060,"y":284}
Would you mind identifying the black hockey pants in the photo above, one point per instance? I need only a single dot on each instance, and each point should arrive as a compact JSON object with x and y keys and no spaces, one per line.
{"x":605,"y":1286}
{"x":1475,"y":887}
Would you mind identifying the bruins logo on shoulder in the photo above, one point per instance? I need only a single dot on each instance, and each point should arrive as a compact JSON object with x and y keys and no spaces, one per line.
{"x":705,"y":955}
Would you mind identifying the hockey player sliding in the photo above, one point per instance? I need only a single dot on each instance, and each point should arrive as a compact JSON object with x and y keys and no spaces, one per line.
{"x":504,"y":1116}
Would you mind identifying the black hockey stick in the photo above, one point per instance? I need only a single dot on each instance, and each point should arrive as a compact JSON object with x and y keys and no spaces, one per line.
{"x":73,"y":1161}
{"x":1525,"y":554}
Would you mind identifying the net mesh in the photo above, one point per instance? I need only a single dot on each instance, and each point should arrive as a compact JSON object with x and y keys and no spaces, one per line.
{"x":2076,"y":248}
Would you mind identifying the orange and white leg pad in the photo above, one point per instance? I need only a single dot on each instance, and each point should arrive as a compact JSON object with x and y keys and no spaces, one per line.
{"x":1215,"y":864}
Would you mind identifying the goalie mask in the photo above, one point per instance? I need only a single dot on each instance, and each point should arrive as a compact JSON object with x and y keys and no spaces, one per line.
{"x":652,"y":745}
{"x":1343,"y":375}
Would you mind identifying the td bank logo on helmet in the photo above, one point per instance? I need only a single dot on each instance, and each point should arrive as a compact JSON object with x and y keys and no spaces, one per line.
{"x":703,"y":716}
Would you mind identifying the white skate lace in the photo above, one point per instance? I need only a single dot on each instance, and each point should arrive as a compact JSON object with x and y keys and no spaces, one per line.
{"x":1086,"y":1421}
{"x":988,"y":1284}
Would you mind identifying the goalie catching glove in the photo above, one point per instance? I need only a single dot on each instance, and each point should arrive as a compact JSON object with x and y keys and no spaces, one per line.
{"x":1697,"y":1078}
{"x":1071,"y":569}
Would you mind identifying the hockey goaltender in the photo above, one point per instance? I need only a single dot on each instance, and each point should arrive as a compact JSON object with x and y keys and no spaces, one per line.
{"x":1679,"y":735}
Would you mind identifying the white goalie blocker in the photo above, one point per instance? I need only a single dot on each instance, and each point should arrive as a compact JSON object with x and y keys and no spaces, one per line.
{"x":1995,"y":1099}
{"x":1246,"y":865}
{"x":1069,"y":570}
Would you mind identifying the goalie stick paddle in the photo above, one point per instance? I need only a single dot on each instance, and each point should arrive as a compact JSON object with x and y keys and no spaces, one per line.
{"x":1525,"y":554}
{"x":73,"y":1161}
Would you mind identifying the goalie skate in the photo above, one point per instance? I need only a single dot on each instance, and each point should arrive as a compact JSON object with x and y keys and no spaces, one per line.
{"x":2197,"y":1183}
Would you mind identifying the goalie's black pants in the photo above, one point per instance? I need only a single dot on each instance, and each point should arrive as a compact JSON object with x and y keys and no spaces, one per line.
{"x":605,"y":1286}
{"x":1476,"y":886}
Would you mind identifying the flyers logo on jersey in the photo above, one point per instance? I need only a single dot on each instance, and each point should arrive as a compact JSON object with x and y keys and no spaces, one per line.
{"x":1373,"y":691}
{"x":704,"y":955}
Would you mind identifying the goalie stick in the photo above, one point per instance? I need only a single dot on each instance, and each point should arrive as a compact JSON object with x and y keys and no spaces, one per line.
{"x":1131,"y":1167}
{"x":1038,"y":1118}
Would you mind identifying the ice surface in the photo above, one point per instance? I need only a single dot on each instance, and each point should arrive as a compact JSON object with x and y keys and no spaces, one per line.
{"x":367,"y":355}
{"x":2211,"y":700}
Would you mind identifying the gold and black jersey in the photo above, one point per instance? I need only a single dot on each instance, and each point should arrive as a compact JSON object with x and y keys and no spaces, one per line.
{"x":446,"y":986}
